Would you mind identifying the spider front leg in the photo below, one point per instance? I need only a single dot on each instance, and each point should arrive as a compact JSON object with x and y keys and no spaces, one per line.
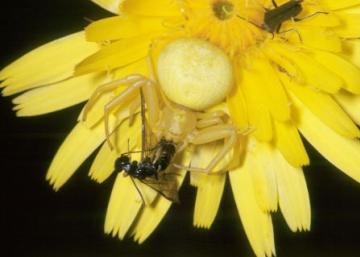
{"x":211,"y":134}
{"x":208,"y":119}
{"x":151,"y":100}
{"x":108,"y":87}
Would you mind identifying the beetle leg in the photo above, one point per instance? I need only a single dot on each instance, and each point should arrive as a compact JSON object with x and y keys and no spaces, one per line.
{"x":294,"y":30}
{"x":310,"y":16}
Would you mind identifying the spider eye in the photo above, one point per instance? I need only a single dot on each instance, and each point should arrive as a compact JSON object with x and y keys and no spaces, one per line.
{"x":194,"y":73}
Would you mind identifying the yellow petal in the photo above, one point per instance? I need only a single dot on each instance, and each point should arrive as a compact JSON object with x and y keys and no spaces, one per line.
{"x":124,"y":205}
{"x":283,"y":62}
{"x":103,"y":165}
{"x":78,"y":145}
{"x":47,"y":64}
{"x":151,"y":216}
{"x":293,"y":194}
{"x":58,"y":96}
{"x":289,"y":142}
{"x":353,"y":48}
{"x":313,"y":73}
{"x":341,"y":67}
{"x":324,"y":106}
{"x":161,"y":8}
{"x":110,"y":5}
{"x":318,"y":38}
{"x":256,"y":222}
{"x":343,"y":152}
{"x":262,"y":166}
{"x":328,"y":20}
{"x":209,"y":187}
{"x":115,"y":55}
{"x":351,"y":104}
{"x":119,"y":27}
{"x":334,"y":5}
{"x":350,"y":27}
{"x":140,"y":67}
{"x":208,"y":197}
{"x":96,"y":113}
{"x":259,"y":116}
{"x":237,"y":105}
{"x":272,"y":88}
{"x":126,"y":138}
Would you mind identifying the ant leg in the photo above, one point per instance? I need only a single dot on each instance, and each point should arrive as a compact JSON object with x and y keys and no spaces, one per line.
{"x":274,"y":3}
{"x":309,"y":16}
{"x":138,"y":190}
{"x":106,"y":88}
{"x":222,"y":131}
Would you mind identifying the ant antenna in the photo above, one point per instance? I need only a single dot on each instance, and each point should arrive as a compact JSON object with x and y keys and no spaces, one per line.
{"x":143,"y":127}
{"x":310,"y":16}
{"x":138,"y":190}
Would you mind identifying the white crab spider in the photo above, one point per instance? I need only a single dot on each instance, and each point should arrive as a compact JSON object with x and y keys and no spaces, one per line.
{"x":193,"y":75}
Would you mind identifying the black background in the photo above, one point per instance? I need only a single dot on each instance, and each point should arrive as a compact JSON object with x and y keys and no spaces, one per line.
{"x":36,"y":221}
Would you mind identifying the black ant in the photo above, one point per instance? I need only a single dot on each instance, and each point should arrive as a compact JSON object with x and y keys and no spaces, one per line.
{"x":151,"y":170}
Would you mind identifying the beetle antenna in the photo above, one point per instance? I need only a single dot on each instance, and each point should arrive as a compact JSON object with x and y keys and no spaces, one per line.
{"x":252,"y":23}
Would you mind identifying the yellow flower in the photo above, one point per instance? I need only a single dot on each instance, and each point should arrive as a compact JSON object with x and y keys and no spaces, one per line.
{"x":304,"y":78}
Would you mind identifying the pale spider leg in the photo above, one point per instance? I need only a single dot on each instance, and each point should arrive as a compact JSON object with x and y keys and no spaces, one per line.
{"x":214,"y":114}
{"x":133,"y":106}
{"x":207,"y":119}
{"x":208,"y":122}
{"x":150,"y":99}
{"x":222,"y":131}
{"x":152,"y":102}
{"x":107,"y":88}
{"x":181,"y":147}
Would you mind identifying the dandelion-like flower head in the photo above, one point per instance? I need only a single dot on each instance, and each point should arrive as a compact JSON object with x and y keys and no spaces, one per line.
{"x":296,"y":73}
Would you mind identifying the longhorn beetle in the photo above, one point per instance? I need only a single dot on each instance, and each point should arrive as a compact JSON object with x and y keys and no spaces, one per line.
{"x":273,"y":18}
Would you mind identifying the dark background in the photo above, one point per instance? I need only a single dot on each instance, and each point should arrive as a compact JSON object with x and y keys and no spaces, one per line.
{"x":36,"y":221}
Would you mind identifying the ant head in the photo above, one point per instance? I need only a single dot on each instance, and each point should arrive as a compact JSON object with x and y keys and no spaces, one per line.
{"x":122,"y":161}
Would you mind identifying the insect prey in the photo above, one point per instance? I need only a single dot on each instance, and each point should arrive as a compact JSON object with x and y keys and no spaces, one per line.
{"x":151,"y":169}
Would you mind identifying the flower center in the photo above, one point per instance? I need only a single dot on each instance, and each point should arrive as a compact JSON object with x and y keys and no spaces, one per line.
{"x":223,"y":9}
{"x":216,"y":21}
